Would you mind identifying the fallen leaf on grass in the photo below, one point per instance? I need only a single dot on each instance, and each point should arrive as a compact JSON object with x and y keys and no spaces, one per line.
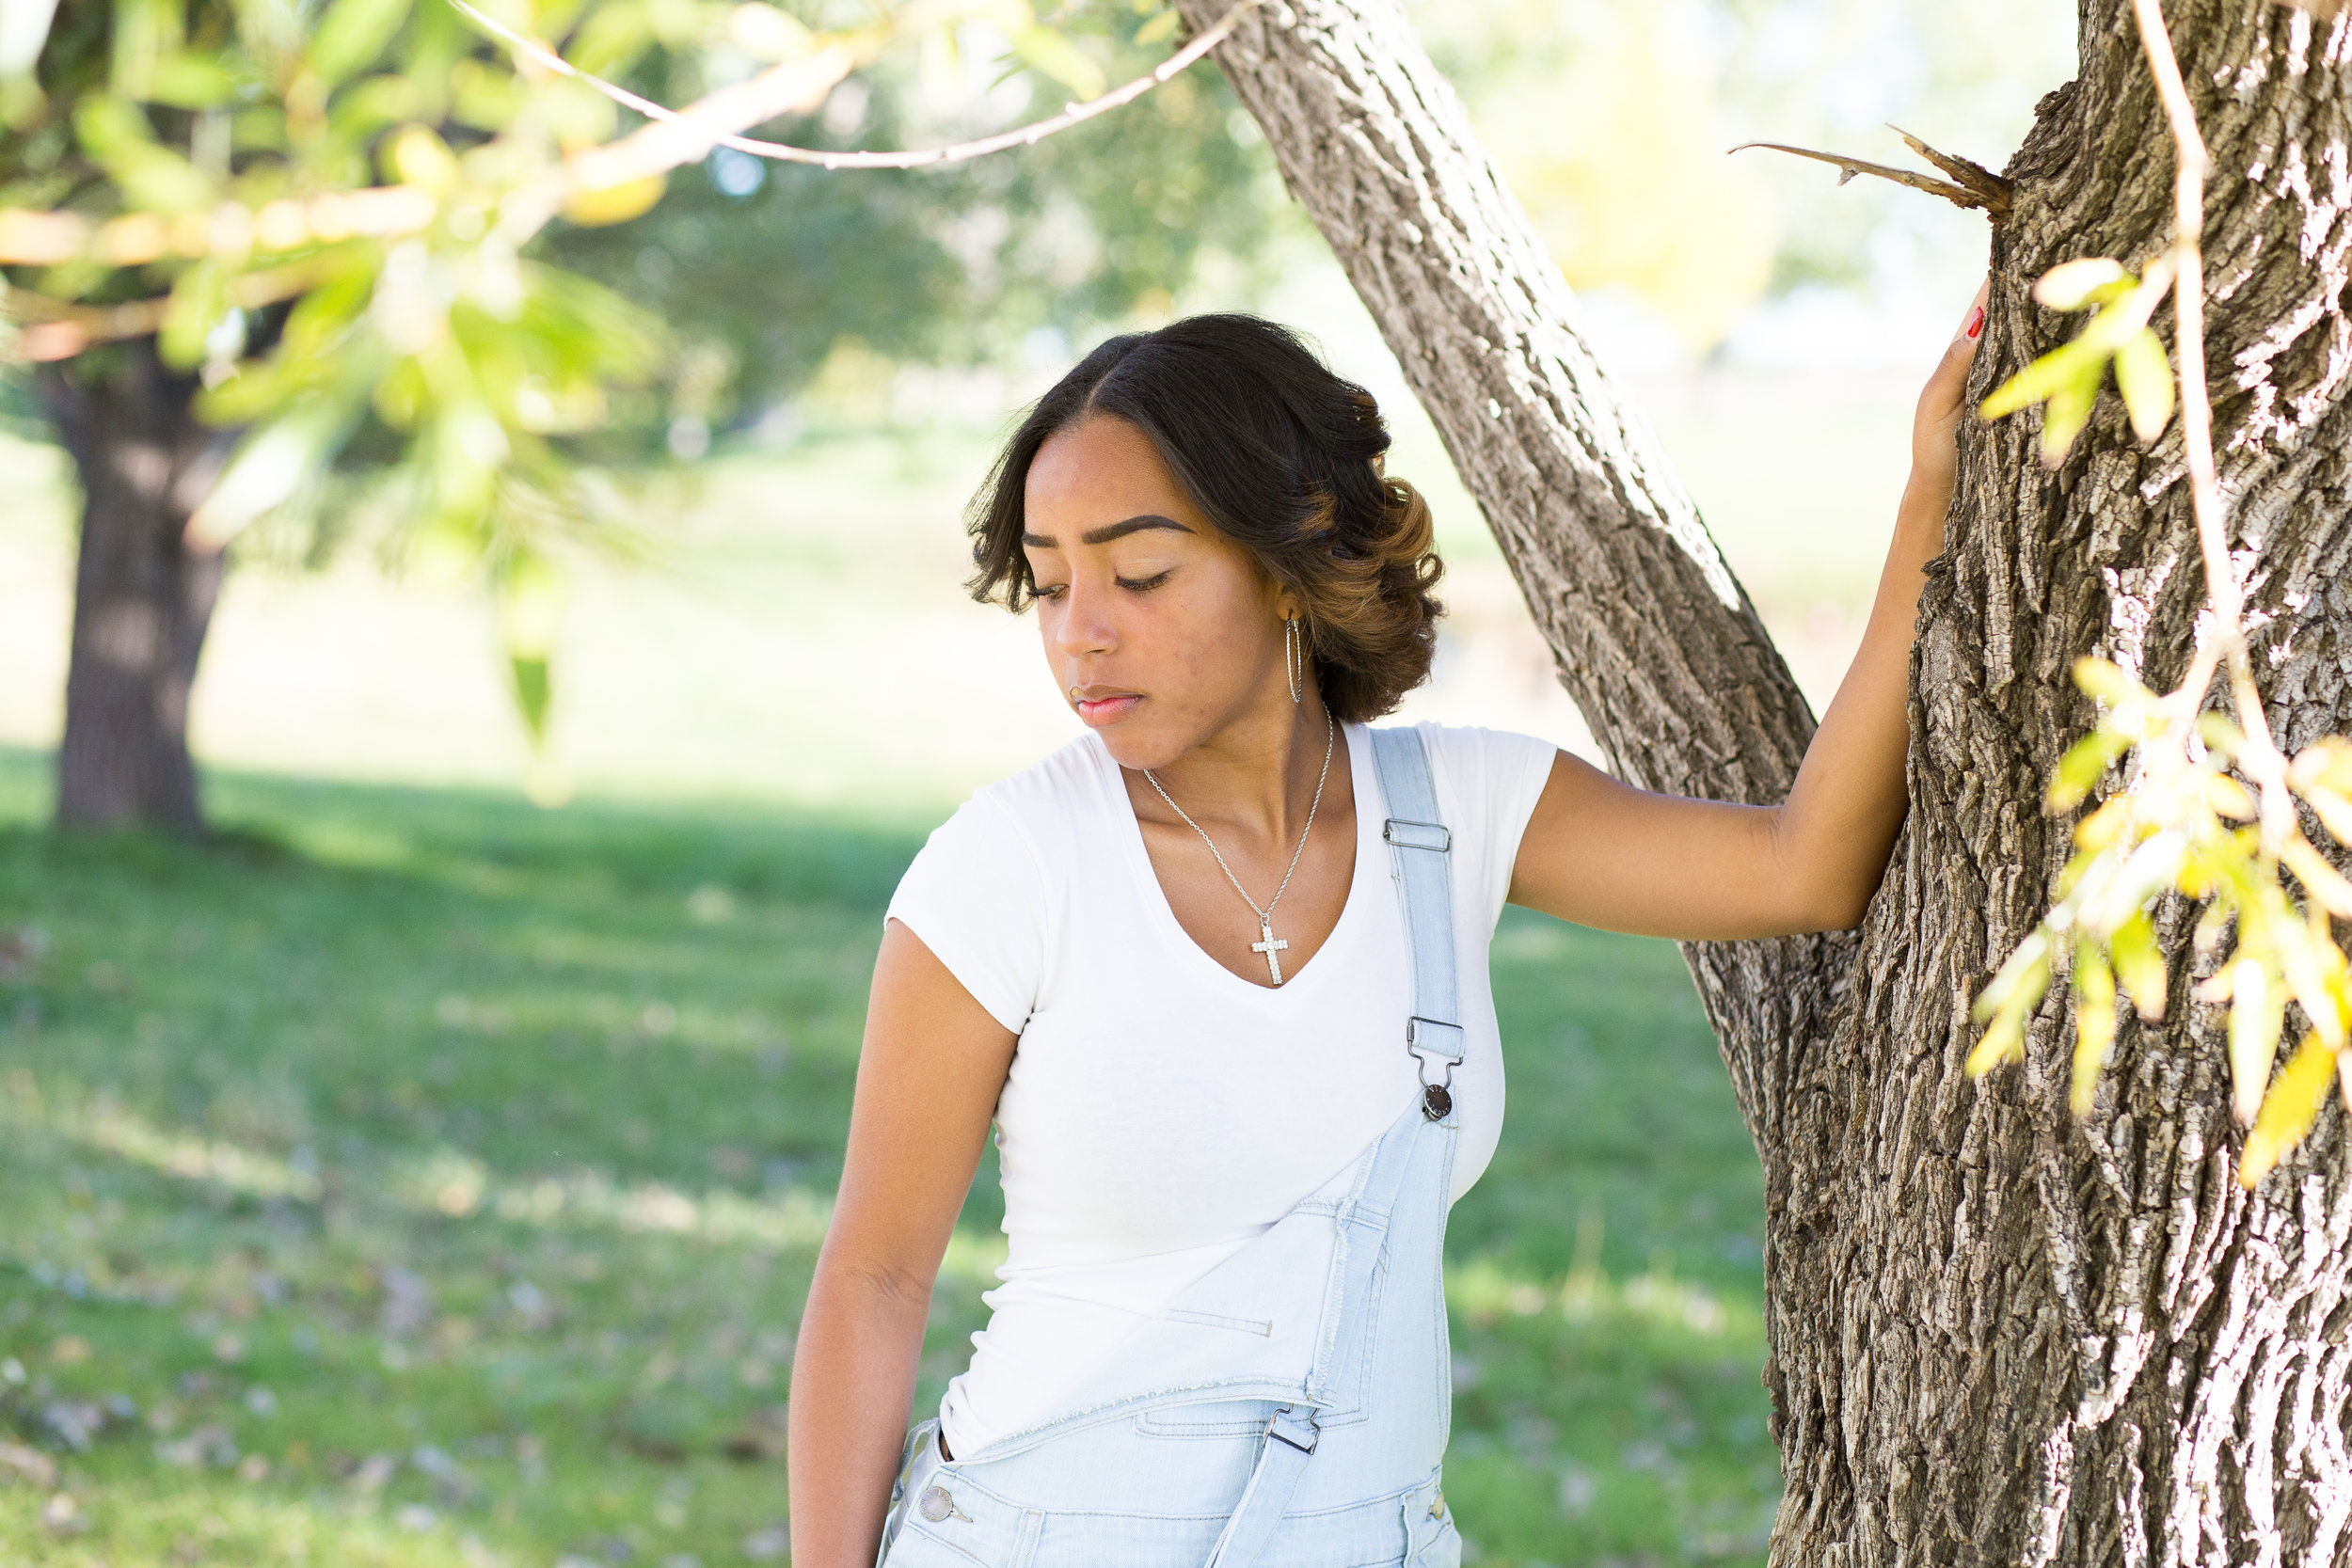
{"x":31,"y":1464}
{"x":64,"y":1516}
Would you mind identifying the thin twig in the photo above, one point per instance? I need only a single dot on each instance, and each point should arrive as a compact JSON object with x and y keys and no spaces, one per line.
{"x":2261,"y":756}
{"x":1026,"y":136}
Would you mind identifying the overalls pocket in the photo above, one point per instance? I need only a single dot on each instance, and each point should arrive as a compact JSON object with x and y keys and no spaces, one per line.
{"x":1430,"y":1539}
{"x":1443,"y":1551}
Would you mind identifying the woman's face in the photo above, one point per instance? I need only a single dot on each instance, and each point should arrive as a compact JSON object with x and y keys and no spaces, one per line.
{"x":1160,"y":630}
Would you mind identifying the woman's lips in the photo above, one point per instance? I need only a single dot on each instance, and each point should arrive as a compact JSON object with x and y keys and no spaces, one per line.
{"x":1104,"y":710}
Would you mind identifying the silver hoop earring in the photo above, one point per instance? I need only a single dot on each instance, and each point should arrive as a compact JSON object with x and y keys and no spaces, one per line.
{"x":1293,"y":656}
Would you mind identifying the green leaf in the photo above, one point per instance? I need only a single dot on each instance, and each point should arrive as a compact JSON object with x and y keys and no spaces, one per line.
{"x":468,"y":447}
{"x":2080,"y":770}
{"x":2144,"y":375}
{"x":200,"y":298}
{"x":116,"y":133}
{"x":2105,"y":680}
{"x":531,"y":600}
{"x":2005,"y":1041}
{"x":269,"y":467}
{"x":534,"y":689}
{"x":2139,"y":964}
{"x":2063,"y":365}
{"x":2094,"y":1025}
{"x":2256,"y":1012}
{"x":2222,"y":737}
{"x":187,"y":80}
{"x":111,"y":127}
{"x":2021,"y":980}
{"x":2065,"y":415}
{"x":2288,"y":1110}
{"x":144,"y":32}
{"x":368,"y":105}
{"x":352,"y":33}
{"x":768,"y":31}
{"x":609,"y":42}
{"x":1048,"y":53}
{"x":1160,"y":28}
{"x":2072,"y":285}
{"x":2148,"y":871}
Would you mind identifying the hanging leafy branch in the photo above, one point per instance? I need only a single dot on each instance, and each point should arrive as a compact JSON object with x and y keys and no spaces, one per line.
{"x":367,"y":173}
{"x":2207,"y":806}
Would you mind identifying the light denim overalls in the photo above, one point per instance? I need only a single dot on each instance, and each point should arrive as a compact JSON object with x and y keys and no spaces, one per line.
{"x":1290,"y":1408}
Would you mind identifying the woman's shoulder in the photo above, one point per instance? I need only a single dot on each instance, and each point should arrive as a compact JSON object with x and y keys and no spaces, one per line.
{"x":1467,"y":753}
{"x":1042,"y":809}
{"x":1053,"y":784}
{"x":1488,"y":780}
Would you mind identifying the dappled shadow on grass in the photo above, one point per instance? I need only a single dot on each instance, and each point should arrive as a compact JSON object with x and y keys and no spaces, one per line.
{"x":414,"y":1177}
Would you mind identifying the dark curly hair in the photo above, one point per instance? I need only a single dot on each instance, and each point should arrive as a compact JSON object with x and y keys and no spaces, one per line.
{"x":1278,"y":453}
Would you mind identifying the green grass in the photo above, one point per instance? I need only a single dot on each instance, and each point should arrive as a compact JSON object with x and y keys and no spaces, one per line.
{"x":411,"y":1177}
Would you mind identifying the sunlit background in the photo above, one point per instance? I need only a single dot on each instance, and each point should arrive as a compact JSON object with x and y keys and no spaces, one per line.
{"x":419,"y":1174}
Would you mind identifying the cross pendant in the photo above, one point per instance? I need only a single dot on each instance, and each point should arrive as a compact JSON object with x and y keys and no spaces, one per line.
{"x":1269,"y":947}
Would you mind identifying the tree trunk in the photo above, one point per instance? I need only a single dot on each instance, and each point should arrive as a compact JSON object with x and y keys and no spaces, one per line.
{"x":141,"y":598}
{"x":1997,"y":1337}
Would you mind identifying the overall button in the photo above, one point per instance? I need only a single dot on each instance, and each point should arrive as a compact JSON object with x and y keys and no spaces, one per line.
{"x":935,"y":1505}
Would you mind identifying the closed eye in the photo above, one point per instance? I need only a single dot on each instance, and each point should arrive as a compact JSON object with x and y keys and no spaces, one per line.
{"x":1145,"y":585}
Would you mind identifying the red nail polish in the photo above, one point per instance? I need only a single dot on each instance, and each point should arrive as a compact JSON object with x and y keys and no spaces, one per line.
{"x":1976,"y":322}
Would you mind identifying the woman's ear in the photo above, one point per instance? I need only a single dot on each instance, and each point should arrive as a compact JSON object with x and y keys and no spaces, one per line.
{"x":1380,"y":463}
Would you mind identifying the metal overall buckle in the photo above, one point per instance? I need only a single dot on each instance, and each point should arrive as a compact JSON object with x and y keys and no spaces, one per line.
{"x":1300,"y":1433}
{"x":1426,"y":1038}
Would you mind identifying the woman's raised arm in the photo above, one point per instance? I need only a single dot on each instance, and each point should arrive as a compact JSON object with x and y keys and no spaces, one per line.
{"x":928,"y":1078}
{"x":1603,"y":853}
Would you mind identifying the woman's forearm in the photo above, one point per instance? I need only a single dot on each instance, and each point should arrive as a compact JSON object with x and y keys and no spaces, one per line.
{"x":1836,"y":830}
{"x":852,"y":1381}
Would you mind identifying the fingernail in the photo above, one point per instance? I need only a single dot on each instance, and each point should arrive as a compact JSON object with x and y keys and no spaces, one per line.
{"x":1976,"y":321}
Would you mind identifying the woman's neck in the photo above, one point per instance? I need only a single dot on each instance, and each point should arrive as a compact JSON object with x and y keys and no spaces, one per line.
{"x":1257,"y":774}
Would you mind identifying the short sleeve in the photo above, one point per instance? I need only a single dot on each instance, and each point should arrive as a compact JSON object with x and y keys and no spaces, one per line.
{"x":976,"y":896}
{"x":1495,"y":778}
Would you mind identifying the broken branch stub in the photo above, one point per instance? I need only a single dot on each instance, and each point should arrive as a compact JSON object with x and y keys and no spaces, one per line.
{"x":1971,"y":185}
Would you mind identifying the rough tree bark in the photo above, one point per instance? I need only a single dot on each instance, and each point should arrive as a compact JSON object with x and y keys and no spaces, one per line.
{"x":142,"y":599}
{"x":1997,"y":1337}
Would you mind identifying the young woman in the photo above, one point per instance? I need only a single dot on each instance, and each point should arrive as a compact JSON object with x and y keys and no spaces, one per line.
{"x":1236,"y":1080}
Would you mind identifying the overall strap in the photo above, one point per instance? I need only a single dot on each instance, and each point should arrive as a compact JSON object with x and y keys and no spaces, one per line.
{"x":1420,"y":849}
{"x":1420,"y":853}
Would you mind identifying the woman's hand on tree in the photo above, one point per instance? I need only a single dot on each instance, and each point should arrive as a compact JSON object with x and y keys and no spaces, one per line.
{"x":1603,"y":853}
{"x":1935,"y":428}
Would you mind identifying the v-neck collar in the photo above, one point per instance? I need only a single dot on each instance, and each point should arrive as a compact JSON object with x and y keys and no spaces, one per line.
{"x":1369,"y":811}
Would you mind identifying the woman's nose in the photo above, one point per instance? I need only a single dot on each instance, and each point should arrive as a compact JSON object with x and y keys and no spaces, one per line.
{"x":1083,"y":629}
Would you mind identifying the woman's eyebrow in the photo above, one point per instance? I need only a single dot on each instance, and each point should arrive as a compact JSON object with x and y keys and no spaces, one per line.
{"x":1109,"y":531}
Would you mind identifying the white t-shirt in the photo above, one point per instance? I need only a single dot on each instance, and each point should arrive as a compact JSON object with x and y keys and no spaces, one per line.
{"x":1161,"y":1111}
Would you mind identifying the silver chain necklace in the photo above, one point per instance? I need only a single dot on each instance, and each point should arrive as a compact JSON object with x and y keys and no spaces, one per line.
{"x":1266,"y":942}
